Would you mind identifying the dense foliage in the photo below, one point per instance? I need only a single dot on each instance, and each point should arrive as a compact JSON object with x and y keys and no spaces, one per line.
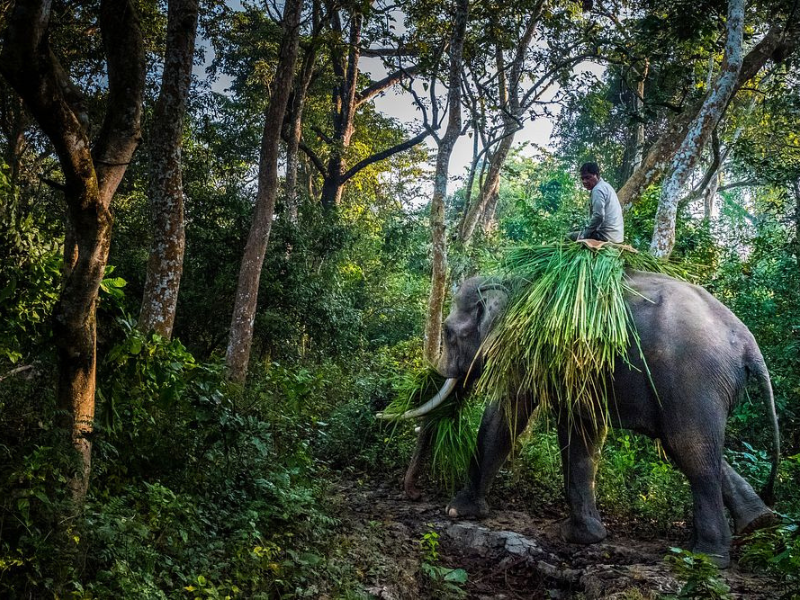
{"x":201,"y":488}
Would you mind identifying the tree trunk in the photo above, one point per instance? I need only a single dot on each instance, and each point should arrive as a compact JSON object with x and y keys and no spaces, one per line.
{"x":14,"y":122}
{"x":32,"y":69}
{"x":634,"y":143}
{"x":709,"y":194}
{"x":346,"y":100}
{"x":244,"y":310}
{"x":165,"y":266}
{"x":699,"y":131}
{"x":779,"y":42}
{"x":512,"y":111}
{"x":296,"y":133}
{"x":433,"y":323}
{"x":489,"y":189}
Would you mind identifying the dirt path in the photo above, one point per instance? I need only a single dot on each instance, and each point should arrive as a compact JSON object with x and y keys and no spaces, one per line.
{"x":510,"y":555}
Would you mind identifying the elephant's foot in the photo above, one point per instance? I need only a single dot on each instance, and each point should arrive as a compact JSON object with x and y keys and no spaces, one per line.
{"x":411,"y":490}
{"x":765,"y":518}
{"x":466,"y":505}
{"x":584,"y":531}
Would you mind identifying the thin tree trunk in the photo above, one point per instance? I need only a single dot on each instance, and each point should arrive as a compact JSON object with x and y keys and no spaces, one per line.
{"x":91,"y":178}
{"x":165,"y":266}
{"x":433,"y":323}
{"x":699,"y":131}
{"x":14,"y":122}
{"x":634,"y":141}
{"x":709,"y":194}
{"x":490,"y":188}
{"x":511,"y":106}
{"x":295,"y":135}
{"x":345,"y":102}
{"x":244,"y":310}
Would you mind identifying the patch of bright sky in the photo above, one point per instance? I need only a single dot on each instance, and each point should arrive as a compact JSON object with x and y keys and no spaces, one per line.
{"x":537,"y":134}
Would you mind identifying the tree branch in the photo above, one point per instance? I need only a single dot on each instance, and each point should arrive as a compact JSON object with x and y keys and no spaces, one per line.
{"x":121,"y":130}
{"x":401,"y":51}
{"x":377,"y":87}
{"x":736,"y":184}
{"x":410,"y":143}
{"x":312,"y":156}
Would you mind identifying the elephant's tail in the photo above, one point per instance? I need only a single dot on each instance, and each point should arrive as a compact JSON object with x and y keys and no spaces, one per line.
{"x":759,"y":369}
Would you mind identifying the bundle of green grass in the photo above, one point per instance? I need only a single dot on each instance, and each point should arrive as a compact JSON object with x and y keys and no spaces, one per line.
{"x":565,"y":327}
{"x":453,"y":425}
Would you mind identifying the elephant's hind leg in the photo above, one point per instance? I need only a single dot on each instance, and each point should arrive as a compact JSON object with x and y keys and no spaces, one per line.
{"x":580,"y":453}
{"x":748,"y":510}
{"x":495,"y":439}
{"x":699,"y":455}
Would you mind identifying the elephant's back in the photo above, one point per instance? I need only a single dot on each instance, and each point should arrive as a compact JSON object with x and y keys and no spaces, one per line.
{"x":663,"y":306}
{"x":692,"y":343}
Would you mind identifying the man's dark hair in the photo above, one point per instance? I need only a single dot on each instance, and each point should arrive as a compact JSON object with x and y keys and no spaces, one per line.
{"x":591,"y":168}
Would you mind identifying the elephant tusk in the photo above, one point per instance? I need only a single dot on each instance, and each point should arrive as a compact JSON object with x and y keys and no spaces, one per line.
{"x":441,"y":396}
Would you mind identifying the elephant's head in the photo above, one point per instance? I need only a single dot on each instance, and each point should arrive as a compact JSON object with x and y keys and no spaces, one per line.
{"x":476,"y":307}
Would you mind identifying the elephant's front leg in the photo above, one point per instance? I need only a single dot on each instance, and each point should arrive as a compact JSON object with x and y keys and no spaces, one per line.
{"x":580,"y":454}
{"x":495,"y":439}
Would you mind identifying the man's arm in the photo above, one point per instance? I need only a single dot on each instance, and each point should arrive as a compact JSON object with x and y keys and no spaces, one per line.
{"x":599,"y":200}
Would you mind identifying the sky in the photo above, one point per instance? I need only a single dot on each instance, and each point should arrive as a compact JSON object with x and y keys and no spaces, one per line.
{"x":401,"y":106}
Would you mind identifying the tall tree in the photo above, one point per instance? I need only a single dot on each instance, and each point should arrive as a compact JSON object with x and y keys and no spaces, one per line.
{"x":345,"y":41}
{"x":523,"y":72}
{"x":165,"y":266}
{"x":778,"y":43}
{"x":92,"y":173}
{"x":699,"y":132}
{"x":298,"y":102}
{"x":433,"y":322}
{"x":246,"y":300}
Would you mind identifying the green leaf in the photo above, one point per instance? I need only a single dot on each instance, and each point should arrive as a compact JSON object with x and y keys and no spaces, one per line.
{"x":135,"y":346}
{"x":457,"y":576}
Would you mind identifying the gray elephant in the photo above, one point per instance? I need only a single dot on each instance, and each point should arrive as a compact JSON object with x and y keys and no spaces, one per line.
{"x":699,"y":355}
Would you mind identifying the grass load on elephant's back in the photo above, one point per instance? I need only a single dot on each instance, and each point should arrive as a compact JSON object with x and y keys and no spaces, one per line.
{"x":566,"y":324}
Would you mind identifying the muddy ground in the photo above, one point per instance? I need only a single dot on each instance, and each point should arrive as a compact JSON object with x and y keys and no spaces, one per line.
{"x":513,"y":554}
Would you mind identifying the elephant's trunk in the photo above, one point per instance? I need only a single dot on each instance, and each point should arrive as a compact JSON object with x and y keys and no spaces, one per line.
{"x":447,"y":389}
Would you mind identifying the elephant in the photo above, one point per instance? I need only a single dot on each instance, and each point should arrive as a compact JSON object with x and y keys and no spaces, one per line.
{"x":699,"y":356}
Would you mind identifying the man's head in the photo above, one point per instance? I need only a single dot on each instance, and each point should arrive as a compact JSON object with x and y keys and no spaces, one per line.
{"x":590,"y":175}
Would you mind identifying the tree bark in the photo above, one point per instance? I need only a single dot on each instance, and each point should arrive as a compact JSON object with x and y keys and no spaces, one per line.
{"x":165,"y":266}
{"x":91,"y":179}
{"x":244,"y":310}
{"x":433,"y":323}
{"x":698,"y":133}
{"x":14,"y":121}
{"x":779,"y":42}
{"x":296,"y":128}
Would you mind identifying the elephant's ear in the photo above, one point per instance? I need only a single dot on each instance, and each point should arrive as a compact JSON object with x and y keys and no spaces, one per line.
{"x":492,"y":303}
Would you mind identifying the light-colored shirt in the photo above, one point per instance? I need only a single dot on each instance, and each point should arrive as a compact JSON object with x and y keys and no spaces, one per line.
{"x":606,"y":214}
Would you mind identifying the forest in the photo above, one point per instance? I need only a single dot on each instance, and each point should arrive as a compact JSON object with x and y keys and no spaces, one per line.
{"x":231,"y":231}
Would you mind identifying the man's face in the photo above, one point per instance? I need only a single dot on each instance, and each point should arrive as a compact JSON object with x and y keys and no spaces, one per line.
{"x":589,"y":180}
